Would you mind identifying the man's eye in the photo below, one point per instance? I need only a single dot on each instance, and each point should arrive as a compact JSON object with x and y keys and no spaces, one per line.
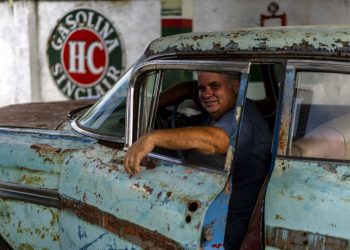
{"x":215,"y":86}
{"x":201,"y":89}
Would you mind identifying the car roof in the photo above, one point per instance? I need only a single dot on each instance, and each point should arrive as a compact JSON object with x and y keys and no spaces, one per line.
{"x":295,"y":41}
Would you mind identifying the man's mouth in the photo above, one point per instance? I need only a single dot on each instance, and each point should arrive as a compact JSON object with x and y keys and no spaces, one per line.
{"x":209,"y":103}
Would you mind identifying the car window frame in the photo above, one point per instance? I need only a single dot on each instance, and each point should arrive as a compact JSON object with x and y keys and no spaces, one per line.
{"x":132,"y":116}
{"x":293,"y":67}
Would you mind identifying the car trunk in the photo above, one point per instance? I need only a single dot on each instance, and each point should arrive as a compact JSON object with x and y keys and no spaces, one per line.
{"x":42,"y":115}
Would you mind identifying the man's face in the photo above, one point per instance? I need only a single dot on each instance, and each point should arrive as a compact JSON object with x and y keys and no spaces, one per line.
{"x":216,"y":94}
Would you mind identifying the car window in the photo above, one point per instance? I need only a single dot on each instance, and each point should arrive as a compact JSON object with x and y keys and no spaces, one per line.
{"x":173,"y":112}
{"x":321,"y":118}
{"x":264,"y":80}
{"x":263,"y":88}
{"x":169,"y":115}
{"x":256,"y":87}
{"x":148,"y":99}
{"x":107,"y":116}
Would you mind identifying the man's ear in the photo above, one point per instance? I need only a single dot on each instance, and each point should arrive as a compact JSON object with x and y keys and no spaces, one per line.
{"x":235,"y":86}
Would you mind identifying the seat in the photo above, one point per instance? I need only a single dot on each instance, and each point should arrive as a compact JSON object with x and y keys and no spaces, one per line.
{"x":330,"y":140}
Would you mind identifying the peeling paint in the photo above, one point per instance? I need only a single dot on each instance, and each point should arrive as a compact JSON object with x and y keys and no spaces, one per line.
{"x":297,"y":197}
{"x":280,"y":167}
{"x":207,"y":233}
{"x":148,"y":189}
{"x":132,"y":232}
{"x":328,"y":167}
{"x":286,"y":114}
{"x":54,"y":219}
{"x":51,"y":154}
{"x":309,"y":196}
{"x":25,"y":246}
{"x":282,"y":139}
{"x":28,"y":226}
{"x":293,"y":239}
{"x":313,"y":40}
{"x":279,"y":217}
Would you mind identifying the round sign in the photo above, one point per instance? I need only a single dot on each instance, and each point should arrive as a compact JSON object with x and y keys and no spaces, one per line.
{"x":85,"y":54}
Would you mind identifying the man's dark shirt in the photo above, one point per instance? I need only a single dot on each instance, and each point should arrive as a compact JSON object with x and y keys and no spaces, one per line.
{"x":252,"y":160}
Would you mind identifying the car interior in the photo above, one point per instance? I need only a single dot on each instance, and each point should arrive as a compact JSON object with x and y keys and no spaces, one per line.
{"x":263,"y":90}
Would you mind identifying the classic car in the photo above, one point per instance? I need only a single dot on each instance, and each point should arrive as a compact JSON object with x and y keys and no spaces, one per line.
{"x":62,"y":180}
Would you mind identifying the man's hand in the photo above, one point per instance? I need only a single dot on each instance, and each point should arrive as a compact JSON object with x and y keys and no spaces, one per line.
{"x":136,"y":152}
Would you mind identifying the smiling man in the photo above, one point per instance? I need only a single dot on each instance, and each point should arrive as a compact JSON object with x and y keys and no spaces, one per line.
{"x":217,"y":94}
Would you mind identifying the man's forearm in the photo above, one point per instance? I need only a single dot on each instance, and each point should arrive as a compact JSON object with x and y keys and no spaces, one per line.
{"x":206,"y":140}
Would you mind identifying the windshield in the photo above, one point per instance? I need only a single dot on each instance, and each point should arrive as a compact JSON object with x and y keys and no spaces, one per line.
{"x":107,"y":116}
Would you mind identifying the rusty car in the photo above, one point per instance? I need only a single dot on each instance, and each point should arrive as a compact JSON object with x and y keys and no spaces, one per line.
{"x":62,"y":180}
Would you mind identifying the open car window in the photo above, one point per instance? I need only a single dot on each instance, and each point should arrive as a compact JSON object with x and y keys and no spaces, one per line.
{"x":182,"y":112}
{"x":161,"y":106}
{"x":157,"y":94}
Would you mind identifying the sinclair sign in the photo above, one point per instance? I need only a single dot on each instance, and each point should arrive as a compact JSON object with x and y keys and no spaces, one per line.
{"x":85,"y":54}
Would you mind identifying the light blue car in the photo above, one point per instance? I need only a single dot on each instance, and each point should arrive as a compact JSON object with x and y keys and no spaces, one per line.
{"x":62,"y":180}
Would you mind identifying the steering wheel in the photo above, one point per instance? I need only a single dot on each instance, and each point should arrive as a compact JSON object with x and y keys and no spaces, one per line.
{"x":173,"y":120}
{"x":173,"y":124}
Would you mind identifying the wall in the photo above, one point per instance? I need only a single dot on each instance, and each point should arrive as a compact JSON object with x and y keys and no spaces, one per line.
{"x":25,"y":27}
{"x":229,"y":14}
{"x":15,"y":76}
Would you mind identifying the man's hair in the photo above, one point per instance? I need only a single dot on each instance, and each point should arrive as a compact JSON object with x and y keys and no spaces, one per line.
{"x":231,"y":77}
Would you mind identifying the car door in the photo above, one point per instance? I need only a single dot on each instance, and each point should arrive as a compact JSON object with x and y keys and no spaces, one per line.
{"x":30,"y":169}
{"x":307,"y":199}
{"x":189,"y":202}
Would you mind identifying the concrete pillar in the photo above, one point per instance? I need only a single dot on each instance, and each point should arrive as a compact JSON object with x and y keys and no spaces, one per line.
{"x":19,"y":61}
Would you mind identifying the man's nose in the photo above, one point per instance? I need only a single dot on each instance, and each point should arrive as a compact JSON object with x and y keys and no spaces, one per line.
{"x":207,"y":92}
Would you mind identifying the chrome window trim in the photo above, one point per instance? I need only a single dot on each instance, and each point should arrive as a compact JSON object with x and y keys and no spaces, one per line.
{"x":213,"y":65}
{"x":88,"y":133}
{"x":159,"y":76}
{"x":329,"y":66}
{"x":41,"y":131}
{"x":18,"y":192}
{"x":155,"y":104}
{"x":181,"y":162}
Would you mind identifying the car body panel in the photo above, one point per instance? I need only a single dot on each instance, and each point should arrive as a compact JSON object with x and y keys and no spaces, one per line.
{"x":53,"y":162}
{"x":322,"y":196}
{"x":29,"y":226}
{"x":37,"y":158}
{"x":293,"y":40}
{"x":152,"y":196}
{"x":32,"y":115}
{"x":306,"y":198}
{"x":80,"y":234}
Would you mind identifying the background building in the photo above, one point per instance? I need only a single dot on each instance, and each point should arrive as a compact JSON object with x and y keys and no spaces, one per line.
{"x":26,"y":26}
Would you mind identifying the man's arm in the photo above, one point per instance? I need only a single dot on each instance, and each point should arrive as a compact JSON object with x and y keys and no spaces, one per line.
{"x":206,"y":140}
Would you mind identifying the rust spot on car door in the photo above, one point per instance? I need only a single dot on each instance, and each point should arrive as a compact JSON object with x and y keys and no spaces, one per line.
{"x":135,"y":234}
